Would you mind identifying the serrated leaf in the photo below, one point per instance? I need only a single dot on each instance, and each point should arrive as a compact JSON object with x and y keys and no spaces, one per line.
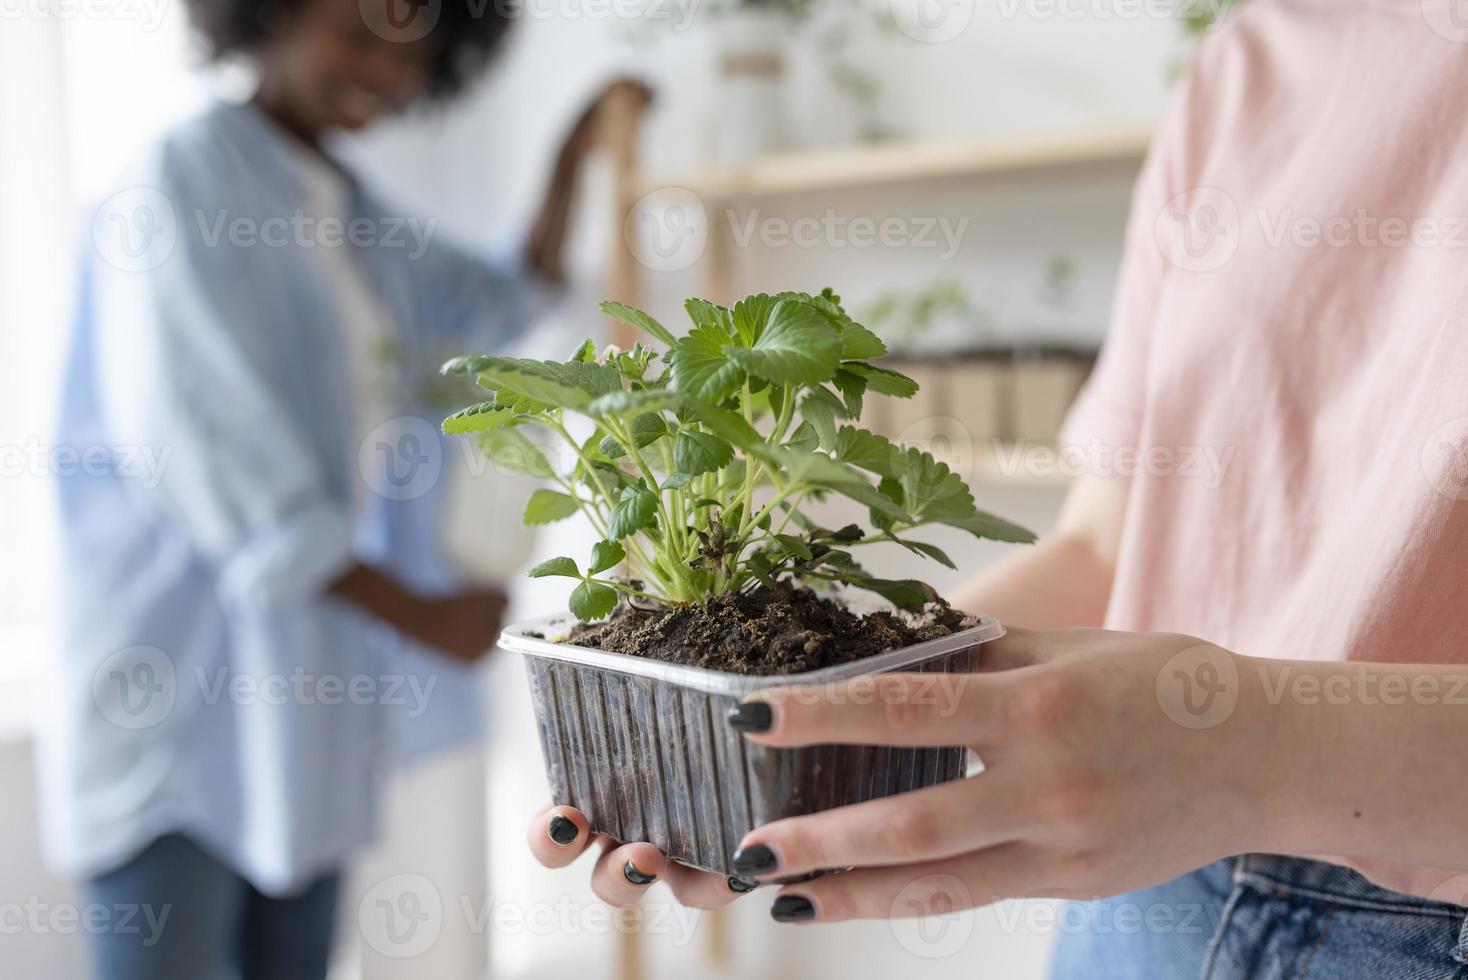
{"x":676,"y":481}
{"x":561,"y":566}
{"x":867,"y":450}
{"x":605,"y":554}
{"x":857,"y":342}
{"x":571,"y":385}
{"x":642,"y":399}
{"x":985,"y":525}
{"x":647,"y":429}
{"x":592,"y":600}
{"x":710,"y":315}
{"x":799,"y":346}
{"x":930,"y":490}
{"x":512,"y":453}
{"x":852,"y":386}
{"x":477,"y":418}
{"x":882,"y":380}
{"x":586,"y":353}
{"x":635,"y":509}
{"x":751,"y":314}
{"x":549,"y":506}
{"x":820,"y":408}
{"x":700,"y":452}
{"x":634,"y":317}
{"x":726,"y":425}
{"x":803,"y":439}
{"x":700,"y":366}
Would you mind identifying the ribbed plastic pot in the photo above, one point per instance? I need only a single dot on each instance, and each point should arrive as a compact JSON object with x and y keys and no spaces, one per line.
{"x":642,"y":747}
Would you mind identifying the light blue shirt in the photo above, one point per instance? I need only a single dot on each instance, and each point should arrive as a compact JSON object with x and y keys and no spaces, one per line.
{"x":217,"y":486}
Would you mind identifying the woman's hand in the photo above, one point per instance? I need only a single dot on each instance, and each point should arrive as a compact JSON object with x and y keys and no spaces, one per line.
{"x":622,"y":874}
{"x":1110,"y":765}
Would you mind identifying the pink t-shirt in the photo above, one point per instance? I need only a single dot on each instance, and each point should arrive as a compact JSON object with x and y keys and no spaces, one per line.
{"x":1286,"y":379}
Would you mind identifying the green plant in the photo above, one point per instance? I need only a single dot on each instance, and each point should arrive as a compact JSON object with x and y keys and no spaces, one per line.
{"x":702,"y":455}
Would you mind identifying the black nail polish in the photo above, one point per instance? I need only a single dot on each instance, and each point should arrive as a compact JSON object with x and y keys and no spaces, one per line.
{"x":562,"y":831}
{"x":792,"y":908}
{"x":741,"y":886}
{"x":755,"y":860}
{"x":636,"y":875}
{"x":750,"y":716}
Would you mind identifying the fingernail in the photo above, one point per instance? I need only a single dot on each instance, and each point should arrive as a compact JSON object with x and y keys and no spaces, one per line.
{"x":755,"y":860}
{"x":562,"y":831}
{"x":792,"y":908}
{"x":750,"y":716}
{"x":741,"y":886}
{"x":636,"y":875}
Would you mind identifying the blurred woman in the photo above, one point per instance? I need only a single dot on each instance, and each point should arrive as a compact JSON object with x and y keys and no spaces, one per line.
{"x":258,"y":627}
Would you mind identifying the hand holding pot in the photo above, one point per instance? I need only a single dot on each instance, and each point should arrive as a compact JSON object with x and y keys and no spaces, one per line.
{"x":622,"y":874}
{"x":1094,"y":783}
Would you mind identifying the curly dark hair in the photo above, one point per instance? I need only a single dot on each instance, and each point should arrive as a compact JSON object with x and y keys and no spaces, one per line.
{"x":469,"y":32}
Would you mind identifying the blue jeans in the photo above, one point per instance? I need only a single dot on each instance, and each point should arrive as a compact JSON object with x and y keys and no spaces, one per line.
{"x":179,"y":914}
{"x":1263,"y":917}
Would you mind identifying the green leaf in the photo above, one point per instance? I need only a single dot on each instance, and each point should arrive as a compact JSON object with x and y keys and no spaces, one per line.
{"x":751,"y":314}
{"x":803,"y":439}
{"x":549,"y":506}
{"x":570,"y":385}
{"x":794,"y":546}
{"x":605,"y":554}
{"x":700,"y":452}
{"x":636,"y":509}
{"x":907,"y":593}
{"x":642,"y":399}
{"x":511,"y":452}
{"x":562,"y":566}
{"x":867,"y":450}
{"x":593,"y":600}
{"x":586,"y":353}
{"x":883,"y":381}
{"x":820,"y":408}
{"x":711,"y":316}
{"x":798,"y":347}
{"x":676,"y":481}
{"x":857,"y":342}
{"x":928,"y":550}
{"x":700,"y":366}
{"x":984,"y":525}
{"x":477,"y":418}
{"x":727,"y":426}
{"x":930,"y":490}
{"x":852,"y":386}
{"x":634,"y":317}
{"x":647,"y":429}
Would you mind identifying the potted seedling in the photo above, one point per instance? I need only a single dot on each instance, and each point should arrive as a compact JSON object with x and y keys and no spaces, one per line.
{"x":695,"y":464}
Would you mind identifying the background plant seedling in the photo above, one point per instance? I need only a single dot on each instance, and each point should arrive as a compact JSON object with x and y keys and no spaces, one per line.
{"x":704,"y":453}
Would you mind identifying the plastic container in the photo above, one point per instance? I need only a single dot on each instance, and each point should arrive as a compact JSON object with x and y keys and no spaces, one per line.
{"x":643,"y":749}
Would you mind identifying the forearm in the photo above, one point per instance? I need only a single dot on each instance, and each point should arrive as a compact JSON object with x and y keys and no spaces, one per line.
{"x":1058,"y":582}
{"x":1360,"y":760}
{"x":382,"y":597}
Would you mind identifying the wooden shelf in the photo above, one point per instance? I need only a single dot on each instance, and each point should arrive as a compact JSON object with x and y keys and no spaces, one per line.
{"x":863,"y":166}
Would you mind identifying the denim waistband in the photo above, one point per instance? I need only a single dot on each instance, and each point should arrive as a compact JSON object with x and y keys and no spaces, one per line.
{"x":1332,"y":883}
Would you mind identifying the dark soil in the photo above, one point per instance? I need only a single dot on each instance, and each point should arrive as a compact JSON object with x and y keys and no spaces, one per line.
{"x":770,"y":631}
